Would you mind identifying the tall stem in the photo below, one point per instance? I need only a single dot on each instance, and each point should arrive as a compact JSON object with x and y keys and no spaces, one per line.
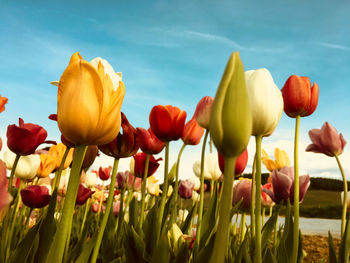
{"x":345,"y":199}
{"x":221,"y":238}
{"x":258,"y":256}
{"x":242,"y":227}
{"x":201,"y":198}
{"x":60,"y":169}
{"x":57,"y":247}
{"x":143,"y":190}
{"x":296,"y":194}
{"x":121,"y":210}
{"x":252,"y":207}
{"x":13,"y":172}
{"x":108,"y":210}
{"x":165,"y":191}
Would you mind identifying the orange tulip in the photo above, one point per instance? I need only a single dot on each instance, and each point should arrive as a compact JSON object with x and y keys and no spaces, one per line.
{"x":47,"y":165}
{"x":3,"y":101}
{"x":192,"y":132}
{"x":89,"y":100}
{"x":57,"y":151}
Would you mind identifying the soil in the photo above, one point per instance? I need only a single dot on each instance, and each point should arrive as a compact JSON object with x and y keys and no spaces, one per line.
{"x":316,"y":248}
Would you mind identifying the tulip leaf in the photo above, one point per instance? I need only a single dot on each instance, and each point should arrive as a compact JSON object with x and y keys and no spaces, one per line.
{"x":183,"y":254}
{"x":133,"y":212}
{"x":167,"y":209}
{"x":246,"y":256}
{"x":47,"y":230}
{"x":344,"y":248}
{"x":187,"y":224}
{"x":205,"y":253}
{"x":162,"y":252}
{"x":332,"y":253}
{"x":267,"y":229}
{"x":87,"y":249}
{"x":24,"y":248}
{"x":149,"y":225}
{"x":268,"y":257}
{"x":134,"y":245}
{"x":172,"y":173}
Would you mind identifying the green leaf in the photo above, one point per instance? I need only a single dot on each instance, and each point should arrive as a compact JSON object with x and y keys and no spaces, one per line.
{"x":162,"y":252}
{"x":133,"y":212}
{"x":267,"y":230}
{"x":149,"y":234}
{"x":183,"y":253}
{"x":344,"y":248}
{"x":246,"y":255}
{"x":87,"y":249}
{"x":332,"y":253}
{"x":205,"y":253}
{"x":167,"y":209}
{"x":268,"y":257}
{"x":187,"y":224}
{"x":134,"y":245}
{"x":172,"y":173}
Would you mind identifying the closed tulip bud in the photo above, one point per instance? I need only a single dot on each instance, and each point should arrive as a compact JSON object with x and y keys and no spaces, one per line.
{"x":266,"y":101}
{"x":153,"y":189}
{"x":83,"y":195}
{"x":174,"y":234}
{"x":149,"y":143}
{"x":104,"y":173}
{"x":231,"y":120}
{"x":126,"y":144}
{"x":192,"y":133}
{"x":203,"y":110}
{"x":47,"y":165}
{"x":326,"y":140}
{"x":35,"y":196}
{"x":25,"y":138}
{"x":90,"y":179}
{"x":186,"y":189}
{"x":27,"y":166}
{"x":90,"y":156}
{"x":196,"y":182}
{"x":211,"y":168}
{"x":137,"y":164}
{"x":299,"y":97}
{"x":167,"y":122}
{"x":241,"y":162}
{"x":89,"y":100}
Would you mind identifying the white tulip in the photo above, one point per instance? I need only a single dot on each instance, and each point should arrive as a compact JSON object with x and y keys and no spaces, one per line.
{"x":211,"y":167}
{"x":27,"y":166}
{"x":196,"y":182}
{"x":90,"y":179}
{"x":266,"y":101}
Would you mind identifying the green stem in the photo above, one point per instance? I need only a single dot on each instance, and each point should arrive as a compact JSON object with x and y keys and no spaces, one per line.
{"x":220,"y":243}
{"x":14,"y":166}
{"x":258,"y":255}
{"x":345,"y":199}
{"x":263,"y":217}
{"x":201,"y":199}
{"x":242,"y":227}
{"x":252,"y":207}
{"x":275,"y":236}
{"x":60,"y":169}
{"x":101,"y":200}
{"x":296,"y":194}
{"x":176,"y":186}
{"x":106,"y":214}
{"x":121,"y":210}
{"x":58,"y":244}
{"x":165,"y":191}
{"x":87,"y":206}
{"x":143,"y":190}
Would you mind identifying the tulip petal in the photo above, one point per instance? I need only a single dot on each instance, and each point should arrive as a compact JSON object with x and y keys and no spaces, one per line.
{"x":281,"y":185}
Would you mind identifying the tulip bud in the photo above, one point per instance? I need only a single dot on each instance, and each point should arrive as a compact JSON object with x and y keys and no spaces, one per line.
{"x":83,"y":195}
{"x":203,"y":110}
{"x":192,"y":133}
{"x":231,"y":120}
{"x":211,"y":168}
{"x":104,"y":173}
{"x":35,"y":196}
{"x":149,"y":143}
{"x":27,"y":166}
{"x":186,"y":189}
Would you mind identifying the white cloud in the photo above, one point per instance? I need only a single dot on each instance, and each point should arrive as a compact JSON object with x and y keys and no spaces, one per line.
{"x":333,"y":46}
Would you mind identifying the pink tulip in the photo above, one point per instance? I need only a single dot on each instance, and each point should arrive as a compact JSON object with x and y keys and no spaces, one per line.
{"x":326,"y":140}
{"x":185,"y":189}
{"x":203,"y":110}
{"x":5,"y":197}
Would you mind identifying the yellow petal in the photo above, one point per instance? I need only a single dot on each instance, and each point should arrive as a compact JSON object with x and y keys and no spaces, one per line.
{"x":281,"y":158}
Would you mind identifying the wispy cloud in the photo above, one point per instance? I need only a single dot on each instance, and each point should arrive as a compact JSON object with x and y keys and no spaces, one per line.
{"x":333,"y":46}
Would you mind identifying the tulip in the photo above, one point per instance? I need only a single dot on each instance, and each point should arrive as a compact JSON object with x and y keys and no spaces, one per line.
{"x":266,"y":101}
{"x":116,"y":208}
{"x":35,"y":196}
{"x":174,"y":234}
{"x":90,"y":179}
{"x":137,"y":164}
{"x":196,"y":196}
{"x":265,"y":198}
{"x":104,"y":173}
{"x":84,"y":194}
{"x":149,"y":143}
{"x":192,"y":133}
{"x":90,"y":96}
{"x":47,"y":165}
{"x":124,"y":144}
{"x":241,"y":162}
{"x":185,"y":189}
{"x":167,"y":122}
{"x":62,"y":186}
{"x":5,"y":197}
{"x":90,"y":156}
{"x":27,"y":166}
{"x":66,"y":142}
{"x":242,"y":190}
{"x":196,"y":182}
{"x":203,"y":110}
{"x":25,"y":138}
{"x":58,"y":151}
{"x":3,"y":101}
{"x":300,"y":99}
{"x":153,"y":189}
{"x":281,"y":160}
{"x":283,"y":185}
{"x":326,"y":140}
{"x":211,"y":169}
{"x":183,"y":213}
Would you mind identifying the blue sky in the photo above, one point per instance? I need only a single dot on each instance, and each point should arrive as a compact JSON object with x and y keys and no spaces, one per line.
{"x":175,"y":53}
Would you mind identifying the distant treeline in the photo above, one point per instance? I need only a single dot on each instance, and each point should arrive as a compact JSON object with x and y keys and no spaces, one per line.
{"x":317,"y":183}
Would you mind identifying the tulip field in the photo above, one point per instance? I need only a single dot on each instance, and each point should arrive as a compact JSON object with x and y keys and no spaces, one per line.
{"x":54,"y":208}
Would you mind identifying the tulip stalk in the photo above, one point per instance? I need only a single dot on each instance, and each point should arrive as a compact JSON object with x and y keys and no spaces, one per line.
{"x":13,"y":172}
{"x":345,"y":197}
{"x":87,"y":205}
{"x":221,"y":238}
{"x":257,"y":257}
{"x":296,"y":193}
{"x":106,"y":214}
{"x":60,"y":238}
{"x":252,"y":206}
{"x":201,"y":200}
{"x":60,"y":169}
{"x":143,"y":190}
{"x":121,"y":211}
{"x":165,"y":191}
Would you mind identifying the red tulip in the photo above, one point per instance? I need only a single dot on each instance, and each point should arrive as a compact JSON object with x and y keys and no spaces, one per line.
{"x":241,"y":162}
{"x":140,"y":161}
{"x":35,"y":196}
{"x":149,"y":143}
{"x":326,"y":140}
{"x":167,"y":122}
{"x":299,"y":97}
{"x":126,"y":144}
{"x":192,"y":132}
{"x":203,"y":110}
{"x":25,"y":138}
{"x":104,"y":173}
{"x":83,"y":195}
{"x":185,"y":189}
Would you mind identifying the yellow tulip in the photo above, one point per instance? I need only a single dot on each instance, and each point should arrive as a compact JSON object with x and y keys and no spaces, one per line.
{"x":281,"y":160}
{"x":89,"y":100}
{"x":57,"y":151}
{"x":47,"y":165}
